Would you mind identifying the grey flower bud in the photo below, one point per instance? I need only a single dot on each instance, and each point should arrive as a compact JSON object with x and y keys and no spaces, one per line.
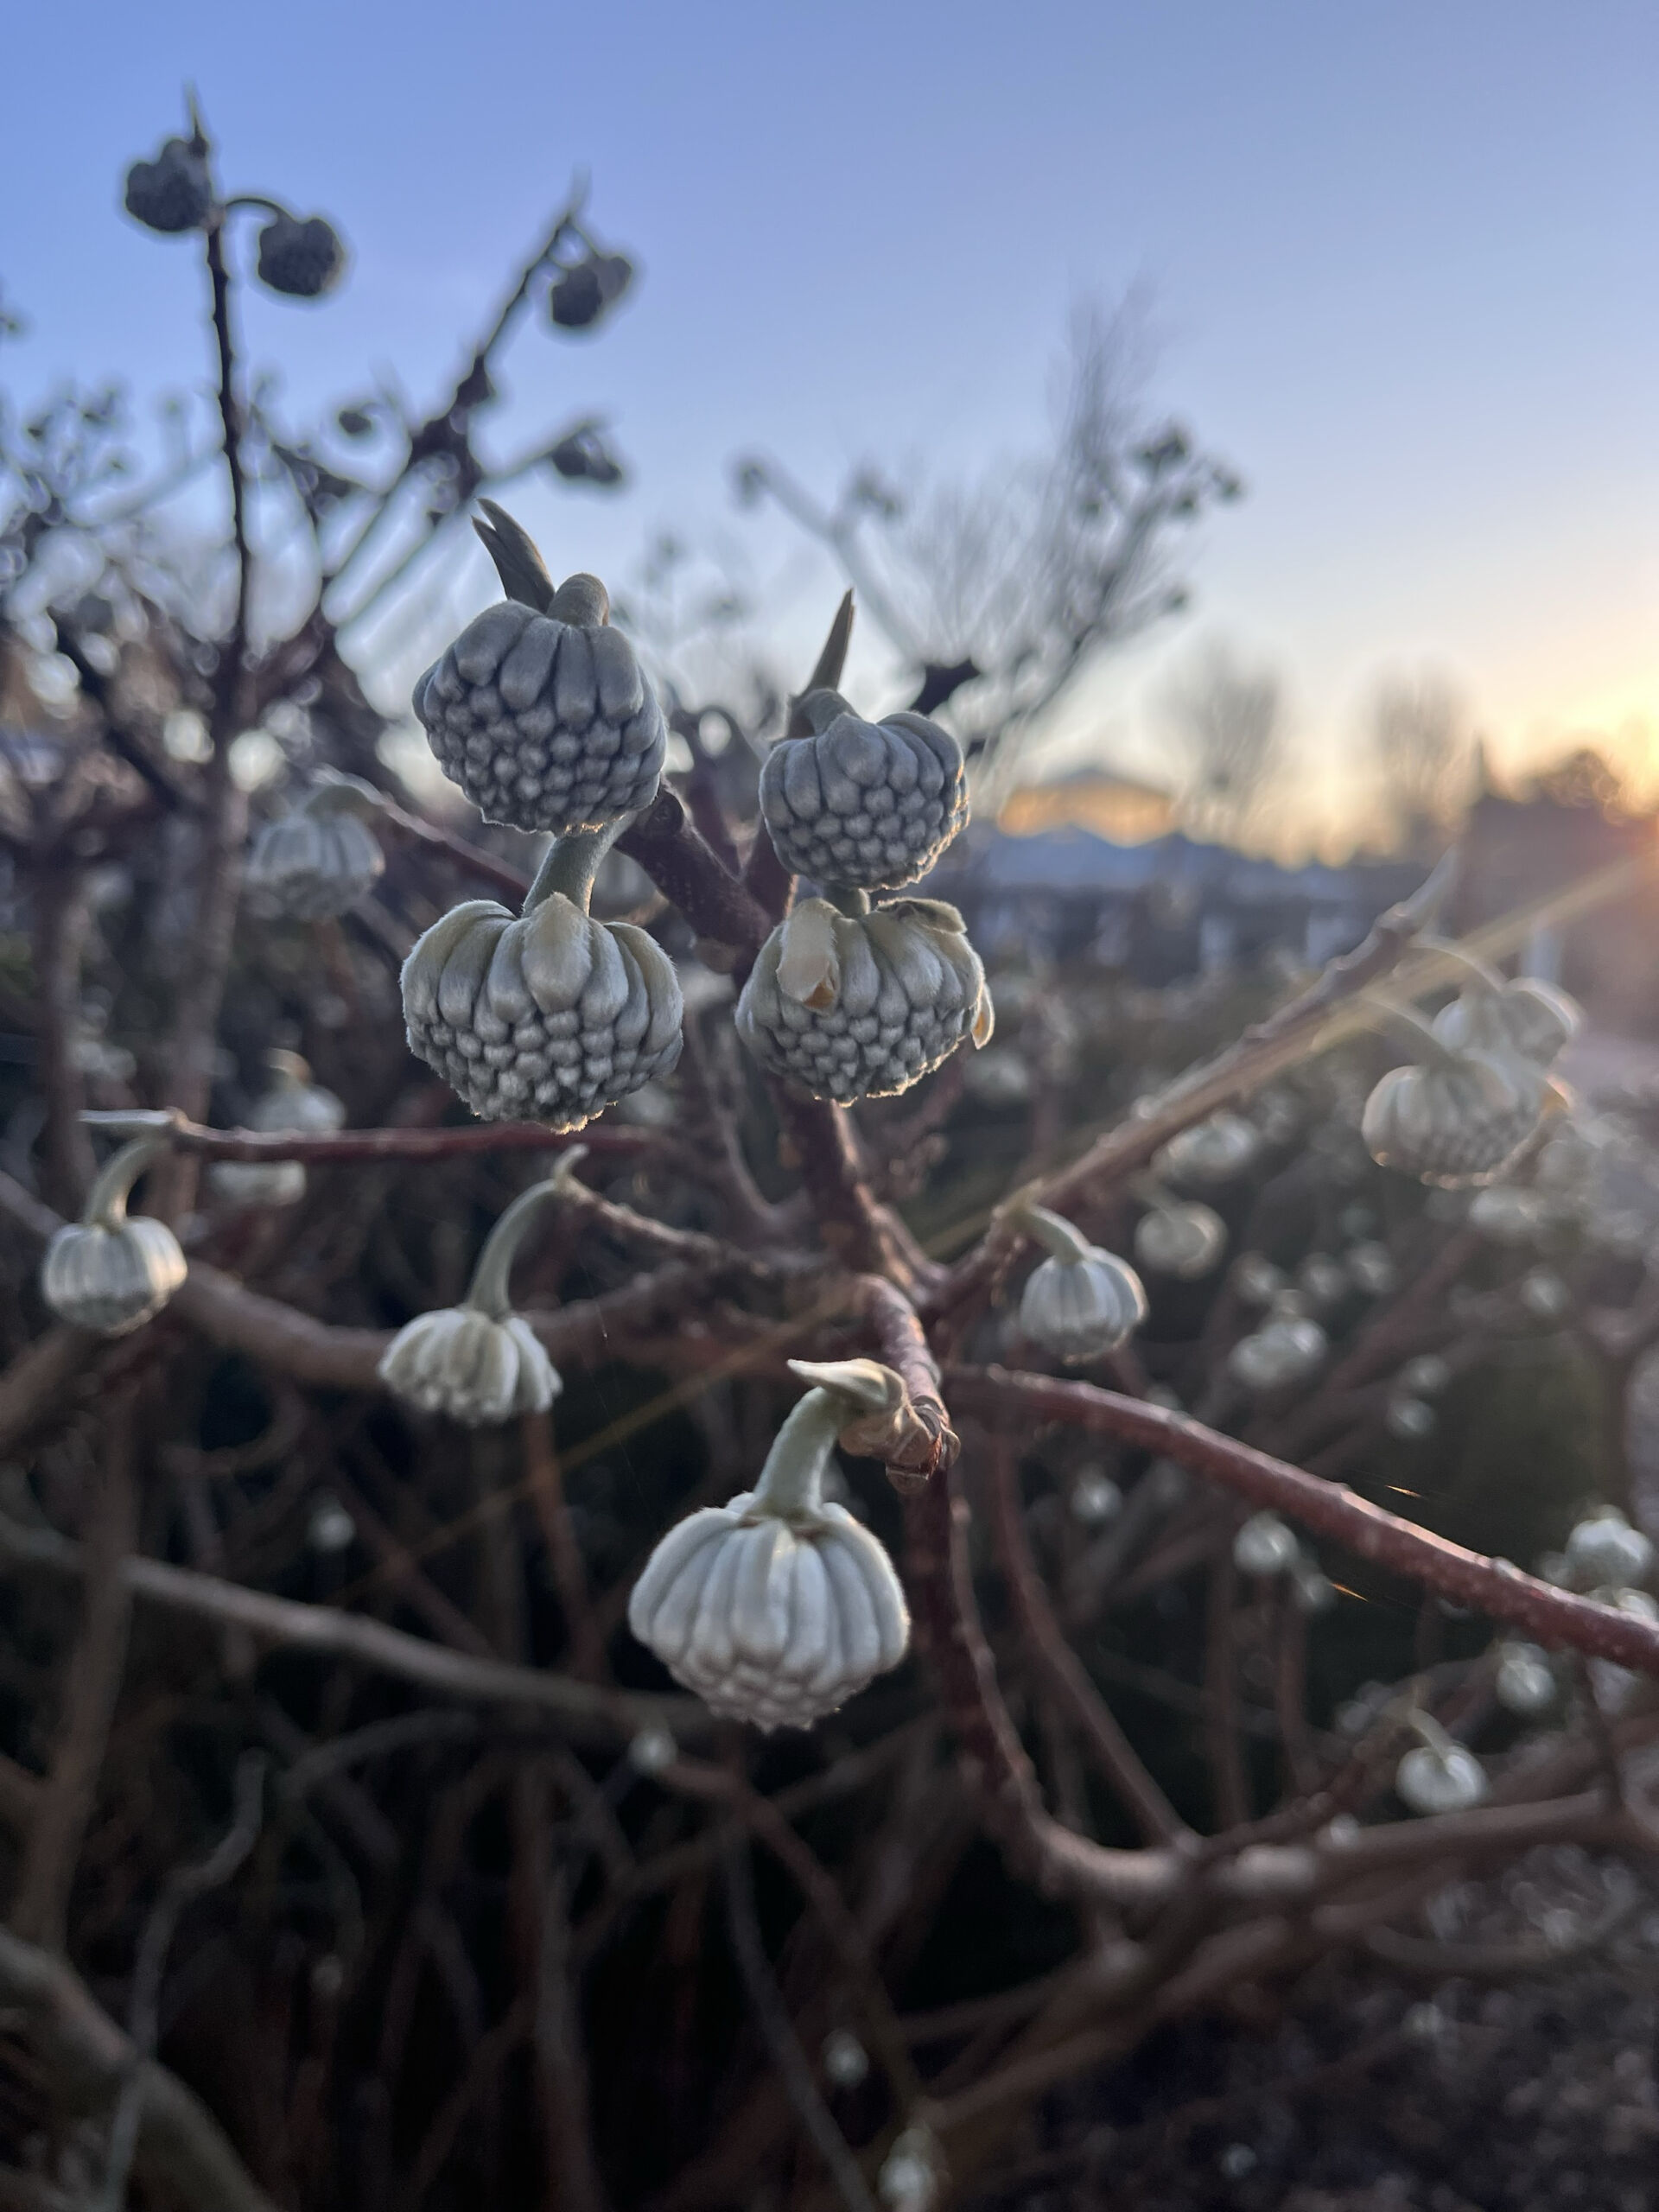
{"x":861,"y":1006}
{"x":778,"y":1606}
{"x":302,"y":257}
{"x":106,"y":1272}
{"x":174,"y":192}
{"x":551,"y":1017}
{"x":869,"y":804}
{"x":1462,"y":1122}
{"x":545,"y":721}
{"x":317,"y":862}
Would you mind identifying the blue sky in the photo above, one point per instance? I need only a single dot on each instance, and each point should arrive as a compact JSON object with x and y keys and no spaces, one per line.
{"x":1405,"y":260}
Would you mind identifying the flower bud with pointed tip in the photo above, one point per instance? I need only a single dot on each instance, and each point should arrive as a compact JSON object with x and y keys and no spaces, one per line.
{"x":868,"y":804}
{"x":107,"y":1272}
{"x":778,"y":1606}
{"x":542,"y":714}
{"x":300,"y":257}
{"x":316,"y":861}
{"x":862,"y":1006}
{"x":1081,"y":1302}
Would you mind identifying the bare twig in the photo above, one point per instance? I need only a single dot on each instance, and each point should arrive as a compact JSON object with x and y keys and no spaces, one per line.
{"x":772,"y":2017}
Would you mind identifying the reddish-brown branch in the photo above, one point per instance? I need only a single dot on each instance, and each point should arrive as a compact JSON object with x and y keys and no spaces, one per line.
{"x":923,"y":1439}
{"x":354,"y":1147}
{"x":687,"y":872}
{"x":863,"y":1234}
{"x":1492,"y":1586}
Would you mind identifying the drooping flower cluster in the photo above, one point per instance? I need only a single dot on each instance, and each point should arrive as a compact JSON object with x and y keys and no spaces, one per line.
{"x":108,"y":1271}
{"x":1484,"y":1090}
{"x":860,"y":1006}
{"x":779,"y":1605}
{"x":479,"y":1361}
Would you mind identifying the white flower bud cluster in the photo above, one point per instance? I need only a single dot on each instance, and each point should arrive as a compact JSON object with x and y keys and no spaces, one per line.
{"x":551,"y":1017}
{"x":480,"y":1363}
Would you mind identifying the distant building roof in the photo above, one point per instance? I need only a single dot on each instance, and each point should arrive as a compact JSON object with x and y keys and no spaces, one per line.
{"x":1111,"y":806}
{"x":1073,"y":861}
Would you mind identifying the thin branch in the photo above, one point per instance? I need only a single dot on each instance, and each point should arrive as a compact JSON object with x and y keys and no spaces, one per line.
{"x":778,"y":2033}
{"x":586,"y":1709}
{"x":1065,"y":1672}
{"x":182,"y":1887}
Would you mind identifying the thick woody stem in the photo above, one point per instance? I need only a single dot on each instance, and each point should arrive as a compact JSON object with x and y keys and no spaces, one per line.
{"x":923,"y":1439}
{"x":863,"y":1234}
{"x":691,"y":876}
{"x":91,"y":1685}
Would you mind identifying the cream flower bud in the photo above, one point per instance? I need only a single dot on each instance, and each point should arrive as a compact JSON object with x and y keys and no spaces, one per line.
{"x":1081,"y":1302}
{"x":553,"y":1016}
{"x":866,"y":804}
{"x":540,"y":711}
{"x":479,"y":1361}
{"x":778,"y":1606}
{"x":862,"y":1005}
{"x":106,"y":1272}
{"x":1605,"y":1548}
{"x":1460,"y":1121}
{"x":294,"y":1104}
{"x":1210,"y":1151}
{"x":1524,"y":1683}
{"x":317,"y":860}
{"x":1183,"y":1241}
{"x":1439,"y":1774}
{"x":1265,"y":1545}
{"x":1532,"y":1019}
{"x":1288,"y":1348}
